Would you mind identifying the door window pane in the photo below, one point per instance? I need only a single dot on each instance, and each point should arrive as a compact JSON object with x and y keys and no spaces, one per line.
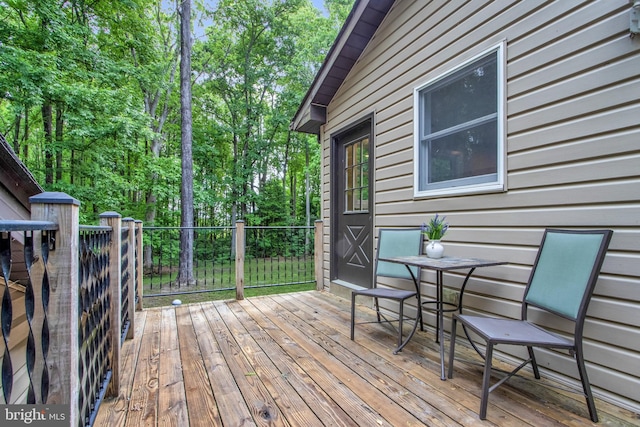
{"x":356,"y":170}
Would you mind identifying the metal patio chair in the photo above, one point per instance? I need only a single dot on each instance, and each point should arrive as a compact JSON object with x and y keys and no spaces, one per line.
{"x":561,"y":282}
{"x":394,"y":242}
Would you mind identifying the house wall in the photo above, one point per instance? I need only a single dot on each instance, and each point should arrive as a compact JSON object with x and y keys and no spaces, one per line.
{"x":17,"y":344}
{"x":573,"y":155}
{"x":16,"y":186}
{"x":10,"y":208}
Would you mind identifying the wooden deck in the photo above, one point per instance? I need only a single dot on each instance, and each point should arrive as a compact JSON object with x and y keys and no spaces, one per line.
{"x":288,"y":360}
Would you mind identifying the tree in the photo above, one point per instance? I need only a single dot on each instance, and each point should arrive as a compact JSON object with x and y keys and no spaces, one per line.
{"x":61,"y":77}
{"x":185,"y":275}
{"x":88,"y":93}
{"x":251,"y":60}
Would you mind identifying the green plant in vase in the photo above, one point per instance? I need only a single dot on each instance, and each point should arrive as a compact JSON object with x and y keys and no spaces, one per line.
{"x":434,"y":231}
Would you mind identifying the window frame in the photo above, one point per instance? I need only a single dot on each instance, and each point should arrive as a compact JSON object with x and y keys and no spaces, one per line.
{"x":450,"y":187}
{"x":359,"y":169}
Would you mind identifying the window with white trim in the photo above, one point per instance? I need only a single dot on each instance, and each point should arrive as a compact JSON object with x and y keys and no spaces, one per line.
{"x":459,"y":137}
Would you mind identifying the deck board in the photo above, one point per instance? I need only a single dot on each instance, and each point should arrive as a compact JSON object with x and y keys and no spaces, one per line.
{"x":287,"y":360}
{"x":274,"y":343}
{"x":143,"y":397}
{"x":172,"y":409}
{"x":362,"y":404}
{"x":197,"y":386}
{"x":261,"y":404}
{"x":231,"y":406}
{"x":378,"y":355}
{"x":284,"y":394}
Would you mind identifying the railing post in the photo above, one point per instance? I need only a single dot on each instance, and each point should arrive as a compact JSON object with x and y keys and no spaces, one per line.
{"x":113,"y":220}
{"x":131,"y":237}
{"x":318,"y":255}
{"x":139,"y":265}
{"x":240,"y":240}
{"x":57,"y":271}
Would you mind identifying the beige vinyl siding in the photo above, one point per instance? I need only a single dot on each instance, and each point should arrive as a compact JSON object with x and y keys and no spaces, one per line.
{"x":573,"y":155}
{"x":17,"y":344}
{"x":10,"y":208}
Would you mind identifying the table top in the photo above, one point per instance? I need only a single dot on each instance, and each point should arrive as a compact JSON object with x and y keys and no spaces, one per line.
{"x":443,"y":264}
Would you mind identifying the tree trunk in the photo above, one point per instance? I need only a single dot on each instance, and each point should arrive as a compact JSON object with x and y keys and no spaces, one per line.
{"x":72,"y":177}
{"x":307,"y":193}
{"x":235,"y":195}
{"x":151,"y":101}
{"x":16,"y":134}
{"x":25,"y":136}
{"x":47,"y":120}
{"x":185,"y":275}
{"x":59,"y":137}
{"x":150,"y":212}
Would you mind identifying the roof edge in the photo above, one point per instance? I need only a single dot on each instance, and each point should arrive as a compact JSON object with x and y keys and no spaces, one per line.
{"x":308,"y":102}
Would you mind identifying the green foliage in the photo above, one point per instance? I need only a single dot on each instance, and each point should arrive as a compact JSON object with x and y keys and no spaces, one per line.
{"x":436,"y":228}
{"x":107,"y":72}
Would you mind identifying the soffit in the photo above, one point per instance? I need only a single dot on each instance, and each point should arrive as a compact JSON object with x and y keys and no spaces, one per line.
{"x":359,"y":28}
{"x":15,"y":176}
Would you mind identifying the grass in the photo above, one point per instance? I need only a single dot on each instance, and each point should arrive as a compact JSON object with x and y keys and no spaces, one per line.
{"x":161,"y":301}
{"x":216,"y":280}
{"x":222,"y":274}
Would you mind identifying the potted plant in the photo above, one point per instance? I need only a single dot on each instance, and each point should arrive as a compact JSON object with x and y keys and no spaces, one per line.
{"x":435,"y":230}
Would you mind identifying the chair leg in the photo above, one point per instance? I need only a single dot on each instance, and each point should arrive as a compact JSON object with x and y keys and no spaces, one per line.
{"x":400,"y":319}
{"x":486,"y":377}
{"x":534,"y":364}
{"x":419,"y":311}
{"x":452,"y":346}
{"x":375,"y":302}
{"x":586,"y":387}
{"x":353,"y":313}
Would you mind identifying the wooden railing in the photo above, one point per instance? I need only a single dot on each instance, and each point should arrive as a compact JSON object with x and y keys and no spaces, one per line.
{"x":63,"y":327}
{"x":69,"y":293}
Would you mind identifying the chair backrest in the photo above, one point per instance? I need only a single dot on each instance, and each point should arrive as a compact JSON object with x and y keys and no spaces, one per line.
{"x":397,"y":242}
{"x":566,"y":270}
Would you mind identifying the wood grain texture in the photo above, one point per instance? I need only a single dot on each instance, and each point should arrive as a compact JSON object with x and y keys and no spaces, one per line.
{"x":287,"y":360}
{"x":172,"y":410}
{"x":202,"y":405}
{"x":143,"y":400}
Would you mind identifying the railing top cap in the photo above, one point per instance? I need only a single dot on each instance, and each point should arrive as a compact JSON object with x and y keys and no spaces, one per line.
{"x":26,"y":225}
{"x":110,"y":214}
{"x":54,"y":197}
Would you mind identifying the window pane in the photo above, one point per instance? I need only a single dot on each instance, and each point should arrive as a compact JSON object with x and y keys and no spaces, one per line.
{"x":463,"y":154}
{"x":357,"y":206}
{"x":365,"y":151}
{"x":364,"y":176}
{"x":357,"y":152}
{"x":349,"y":200}
{"x":348,"y":174}
{"x":353,"y":201}
{"x":364,"y":199}
{"x":467,"y":95}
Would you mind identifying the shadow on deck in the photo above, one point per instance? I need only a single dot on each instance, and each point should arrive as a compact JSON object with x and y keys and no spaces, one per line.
{"x":287,"y":360}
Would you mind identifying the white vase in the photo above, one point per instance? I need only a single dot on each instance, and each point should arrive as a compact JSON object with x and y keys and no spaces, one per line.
{"x":435,"y":249}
